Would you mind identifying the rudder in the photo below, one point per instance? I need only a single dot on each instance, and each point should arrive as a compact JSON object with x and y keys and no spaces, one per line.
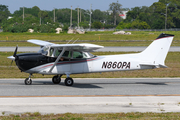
{"x":156,"y":52}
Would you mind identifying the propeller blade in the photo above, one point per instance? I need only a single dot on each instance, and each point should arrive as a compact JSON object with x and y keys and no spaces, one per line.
{"x":15,"y":51}
{"x":11,"y":63}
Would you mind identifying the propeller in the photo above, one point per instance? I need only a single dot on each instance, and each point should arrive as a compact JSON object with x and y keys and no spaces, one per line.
{"x":15,"y":51}
{"x":14,"y":55}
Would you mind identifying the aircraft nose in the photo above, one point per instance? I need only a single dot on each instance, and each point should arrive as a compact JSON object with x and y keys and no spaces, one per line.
{"x":11,"y":57}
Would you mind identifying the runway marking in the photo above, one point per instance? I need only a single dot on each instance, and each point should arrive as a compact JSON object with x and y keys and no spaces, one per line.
{"x":94,"y":95}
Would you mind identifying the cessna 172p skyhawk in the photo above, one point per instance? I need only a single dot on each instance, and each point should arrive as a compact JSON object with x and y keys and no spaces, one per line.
{"x":66,"y":59}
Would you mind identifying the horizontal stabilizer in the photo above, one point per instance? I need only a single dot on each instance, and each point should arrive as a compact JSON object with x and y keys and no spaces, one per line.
{"x":153,"y":65}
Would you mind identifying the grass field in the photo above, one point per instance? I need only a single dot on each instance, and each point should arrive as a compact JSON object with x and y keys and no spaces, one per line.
{"x":105,"y":38}
{"x":172,"y":61}
{"x":103,"y":43}
{"x":98,"y":116}
{"x":105,"y":35}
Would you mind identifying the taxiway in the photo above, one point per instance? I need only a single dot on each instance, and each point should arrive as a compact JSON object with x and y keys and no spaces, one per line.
{"x":105,"y":49}
{"x":97,"y":95}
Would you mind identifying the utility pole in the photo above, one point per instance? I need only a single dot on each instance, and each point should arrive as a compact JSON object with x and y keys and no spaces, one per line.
{"x":40,"y":17}
{"x":166,"y":16}
{"x":71,"y":18}
{"x":54,"y":15}
{"x":78,"y":17}
{"x":90,"y":18}
{"x":23,"y":14}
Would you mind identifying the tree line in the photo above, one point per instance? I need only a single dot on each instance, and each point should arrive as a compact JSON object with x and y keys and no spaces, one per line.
{"x":152,"y":17}
{"x":43,"y":21}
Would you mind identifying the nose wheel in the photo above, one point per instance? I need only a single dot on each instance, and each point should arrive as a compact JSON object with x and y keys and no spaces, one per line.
{"x":28,"y":81}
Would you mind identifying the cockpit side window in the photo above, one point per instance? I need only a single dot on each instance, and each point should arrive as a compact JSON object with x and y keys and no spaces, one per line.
{"x":66,"y":54}
{"x":77,"y":54}
{"x":80,"y":55}
{"x":57,"y":52}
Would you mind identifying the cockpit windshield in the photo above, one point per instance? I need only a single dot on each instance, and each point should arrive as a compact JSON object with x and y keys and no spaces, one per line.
{"x":44,"y":50}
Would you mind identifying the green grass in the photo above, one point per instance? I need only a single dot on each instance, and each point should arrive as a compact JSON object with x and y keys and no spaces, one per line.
{"x":106,"y":35}
{"x":98,"y":116}
{"x":103,"y":43}
{"x":106,"y":38}
{"x":172,"y":61}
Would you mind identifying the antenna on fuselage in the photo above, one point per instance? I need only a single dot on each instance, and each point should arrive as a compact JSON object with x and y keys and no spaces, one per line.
{"x":69,"y":41}
{"x":75,"y":41}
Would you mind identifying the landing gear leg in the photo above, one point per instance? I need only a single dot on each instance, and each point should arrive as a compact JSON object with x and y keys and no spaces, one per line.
{"x":28,"y":81}
{"x":56,"y":79}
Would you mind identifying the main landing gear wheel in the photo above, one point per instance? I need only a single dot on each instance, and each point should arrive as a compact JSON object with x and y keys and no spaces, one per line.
{"x":69,"y":81}
{"x":56,"y":79}
{"x":28,"y":81}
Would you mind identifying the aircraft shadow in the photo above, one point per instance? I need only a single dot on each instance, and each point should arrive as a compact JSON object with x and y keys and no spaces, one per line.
{"x":151,"y":83}
{"x":75,"y":85}
{"x":79,"y":85}
{"x":96,"y":85}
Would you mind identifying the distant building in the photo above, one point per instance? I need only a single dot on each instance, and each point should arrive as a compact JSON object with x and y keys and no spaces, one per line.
{"x":9,"y":17}
{"x":110,"y":12}
{"x":123,"y":14}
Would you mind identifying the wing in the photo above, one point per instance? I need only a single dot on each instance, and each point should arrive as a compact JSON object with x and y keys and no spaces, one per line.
{"x":79,"y":47}
{"x":40,"y":42}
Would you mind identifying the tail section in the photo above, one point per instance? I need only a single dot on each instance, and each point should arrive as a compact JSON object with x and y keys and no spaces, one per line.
{"x":155,"y":54}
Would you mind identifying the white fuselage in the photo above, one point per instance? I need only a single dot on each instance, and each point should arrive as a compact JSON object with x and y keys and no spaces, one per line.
{"x":97,"y":64}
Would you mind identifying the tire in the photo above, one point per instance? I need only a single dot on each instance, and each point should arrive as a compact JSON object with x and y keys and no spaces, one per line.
{"x":28,"y":81}
{"x":55,"y":80}
{"x":69,"y":82}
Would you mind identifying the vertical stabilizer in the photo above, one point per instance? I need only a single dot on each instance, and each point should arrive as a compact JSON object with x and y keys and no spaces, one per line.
{"x":156,"y":52}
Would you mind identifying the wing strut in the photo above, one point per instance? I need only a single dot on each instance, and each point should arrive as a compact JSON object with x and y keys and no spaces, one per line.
{"x":57,"y":59}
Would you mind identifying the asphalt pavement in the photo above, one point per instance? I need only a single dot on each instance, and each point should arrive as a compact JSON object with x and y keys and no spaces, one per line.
{"x":106,"y":49}
{"x":91,"y":86}
{"x":97,"y":95}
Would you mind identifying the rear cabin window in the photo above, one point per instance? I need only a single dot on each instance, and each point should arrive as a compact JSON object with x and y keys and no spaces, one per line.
{"x":66,"y":53}
{"x":77,"y":54}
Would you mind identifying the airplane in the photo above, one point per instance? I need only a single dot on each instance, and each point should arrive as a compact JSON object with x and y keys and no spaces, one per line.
{"x":67,"y":59}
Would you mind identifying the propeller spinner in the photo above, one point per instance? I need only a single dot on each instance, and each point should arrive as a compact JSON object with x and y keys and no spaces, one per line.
{"x":14,"y":55}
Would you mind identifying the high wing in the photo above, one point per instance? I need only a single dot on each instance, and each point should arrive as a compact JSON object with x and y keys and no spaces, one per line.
{"x":39,"y":42}
{"x":79,"y":47}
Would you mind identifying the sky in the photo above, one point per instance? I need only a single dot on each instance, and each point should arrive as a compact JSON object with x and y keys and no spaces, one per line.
{"x":49,"y":5}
